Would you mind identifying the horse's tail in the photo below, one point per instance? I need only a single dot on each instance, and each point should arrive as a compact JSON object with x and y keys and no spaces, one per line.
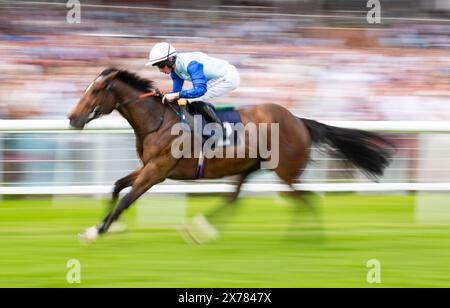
{"x":367,"y":151}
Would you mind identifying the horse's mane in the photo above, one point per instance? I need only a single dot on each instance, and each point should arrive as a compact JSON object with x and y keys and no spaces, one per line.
{"x":133,"y":80}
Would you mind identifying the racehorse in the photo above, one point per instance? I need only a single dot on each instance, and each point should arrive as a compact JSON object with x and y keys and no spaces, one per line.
{"x":136,"y":100}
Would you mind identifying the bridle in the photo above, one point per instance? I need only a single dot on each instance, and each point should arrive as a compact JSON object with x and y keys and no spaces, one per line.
{"x":153,"y":93}
{"x":97,"y":112}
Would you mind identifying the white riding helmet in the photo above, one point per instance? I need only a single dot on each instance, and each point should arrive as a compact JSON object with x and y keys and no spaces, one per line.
{"x":161,"y":52}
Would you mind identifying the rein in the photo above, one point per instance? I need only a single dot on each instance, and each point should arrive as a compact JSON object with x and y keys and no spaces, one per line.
{"x":157,"y":93}
{"x":153,"y":93}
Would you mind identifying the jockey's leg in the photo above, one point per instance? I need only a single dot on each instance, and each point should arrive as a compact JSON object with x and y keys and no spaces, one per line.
{"x":219,"y":87}
{"x":210,"y":115}
{"x":216,"y":88}
{"x":207,"y":111}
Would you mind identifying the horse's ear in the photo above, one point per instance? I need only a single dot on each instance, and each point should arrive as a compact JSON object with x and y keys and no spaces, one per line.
{"x":107,"y":80}
{"x":112,"y":76}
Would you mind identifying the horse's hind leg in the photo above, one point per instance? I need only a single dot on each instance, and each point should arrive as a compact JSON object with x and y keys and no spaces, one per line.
{"x":234,"y":196}
{"x":241,"y":181}
{"x":210,"y":231}
{"x":242,"y":178}
{"x":230,"y":200}
{"x":289,"y":177}
{"x":293,"y":158}
{"x":305,"y":222}
{"x":305,"y":219}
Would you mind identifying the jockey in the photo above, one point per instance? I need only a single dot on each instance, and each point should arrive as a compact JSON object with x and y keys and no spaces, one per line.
{"x":210,"y":77}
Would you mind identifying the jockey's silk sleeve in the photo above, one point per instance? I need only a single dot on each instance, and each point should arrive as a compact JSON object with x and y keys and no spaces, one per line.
{"x":177,"y":82}
{"x":195,"y":70}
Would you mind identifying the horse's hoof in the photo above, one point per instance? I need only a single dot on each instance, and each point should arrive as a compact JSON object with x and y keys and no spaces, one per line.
{"x":89,"y":236}
{"x":200,"y":231}
{"x":186,"y":234}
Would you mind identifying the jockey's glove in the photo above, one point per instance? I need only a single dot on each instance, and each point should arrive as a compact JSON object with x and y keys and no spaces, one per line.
{"x":170,"y":97}
{"x":160,"y":92}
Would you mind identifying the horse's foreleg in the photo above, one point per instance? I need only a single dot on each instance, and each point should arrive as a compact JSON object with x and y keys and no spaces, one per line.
{"x":151,"y":174}
{"x":121,"y":184}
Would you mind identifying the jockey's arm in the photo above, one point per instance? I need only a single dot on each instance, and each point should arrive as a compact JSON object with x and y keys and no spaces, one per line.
{"x":177,"y":82}
{"x":195,"y":70}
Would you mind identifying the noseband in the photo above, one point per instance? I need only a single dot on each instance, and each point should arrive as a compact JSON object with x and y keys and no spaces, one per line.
{"x":119,"y":105}
{"x":98,"y":110}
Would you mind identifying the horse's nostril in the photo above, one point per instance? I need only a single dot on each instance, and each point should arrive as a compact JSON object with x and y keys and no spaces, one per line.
{"x":76,"y":123}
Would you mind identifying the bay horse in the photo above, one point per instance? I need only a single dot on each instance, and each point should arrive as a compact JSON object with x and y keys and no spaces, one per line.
{"x":151,"y":120}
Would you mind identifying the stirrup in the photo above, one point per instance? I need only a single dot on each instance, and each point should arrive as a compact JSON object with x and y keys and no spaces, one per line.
{"x":226,"y":133}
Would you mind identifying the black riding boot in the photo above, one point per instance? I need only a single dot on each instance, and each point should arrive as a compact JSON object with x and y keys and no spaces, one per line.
{"x":210,"y":115}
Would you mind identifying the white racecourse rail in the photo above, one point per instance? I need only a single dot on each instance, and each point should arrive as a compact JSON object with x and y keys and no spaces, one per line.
{"x":423,"y":181}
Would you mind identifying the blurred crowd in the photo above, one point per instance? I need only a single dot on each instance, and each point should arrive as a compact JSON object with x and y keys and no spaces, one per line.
{"x":319,"y":67}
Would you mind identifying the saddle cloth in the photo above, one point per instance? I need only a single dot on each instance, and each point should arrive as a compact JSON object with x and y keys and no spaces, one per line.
{"x":228,"y":115}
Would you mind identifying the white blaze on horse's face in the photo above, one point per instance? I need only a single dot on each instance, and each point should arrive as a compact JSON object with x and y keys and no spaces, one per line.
{"x":100,"y":78}
{"x":87,"y":108}
{"x":90,"y":86}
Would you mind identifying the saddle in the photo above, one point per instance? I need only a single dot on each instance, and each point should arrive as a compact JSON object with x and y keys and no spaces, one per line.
{"x":227,"y":114}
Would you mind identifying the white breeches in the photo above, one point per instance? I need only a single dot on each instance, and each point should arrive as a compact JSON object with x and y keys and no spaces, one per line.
{"x":220,"y":86}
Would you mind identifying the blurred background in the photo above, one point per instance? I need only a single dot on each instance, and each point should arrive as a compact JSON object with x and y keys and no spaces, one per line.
{"x":321,"y":59}
{"x":306,"y":55}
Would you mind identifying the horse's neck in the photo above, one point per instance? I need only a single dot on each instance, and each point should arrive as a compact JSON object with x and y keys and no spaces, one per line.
{"x":139,"y":116}
{"x":145,"y":115}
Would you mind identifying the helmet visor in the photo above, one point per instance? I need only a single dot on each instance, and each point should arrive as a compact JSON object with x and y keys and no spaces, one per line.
{"x":160,"y":64}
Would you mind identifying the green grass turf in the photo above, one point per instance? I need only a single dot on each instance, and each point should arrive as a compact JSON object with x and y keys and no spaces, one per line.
{"x":266,"y":242}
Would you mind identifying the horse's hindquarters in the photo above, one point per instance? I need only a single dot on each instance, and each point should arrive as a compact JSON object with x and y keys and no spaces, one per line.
{"x":287,"y":138}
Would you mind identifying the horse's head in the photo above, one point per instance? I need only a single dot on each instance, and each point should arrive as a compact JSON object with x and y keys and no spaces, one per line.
{"x":98,"y":99}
